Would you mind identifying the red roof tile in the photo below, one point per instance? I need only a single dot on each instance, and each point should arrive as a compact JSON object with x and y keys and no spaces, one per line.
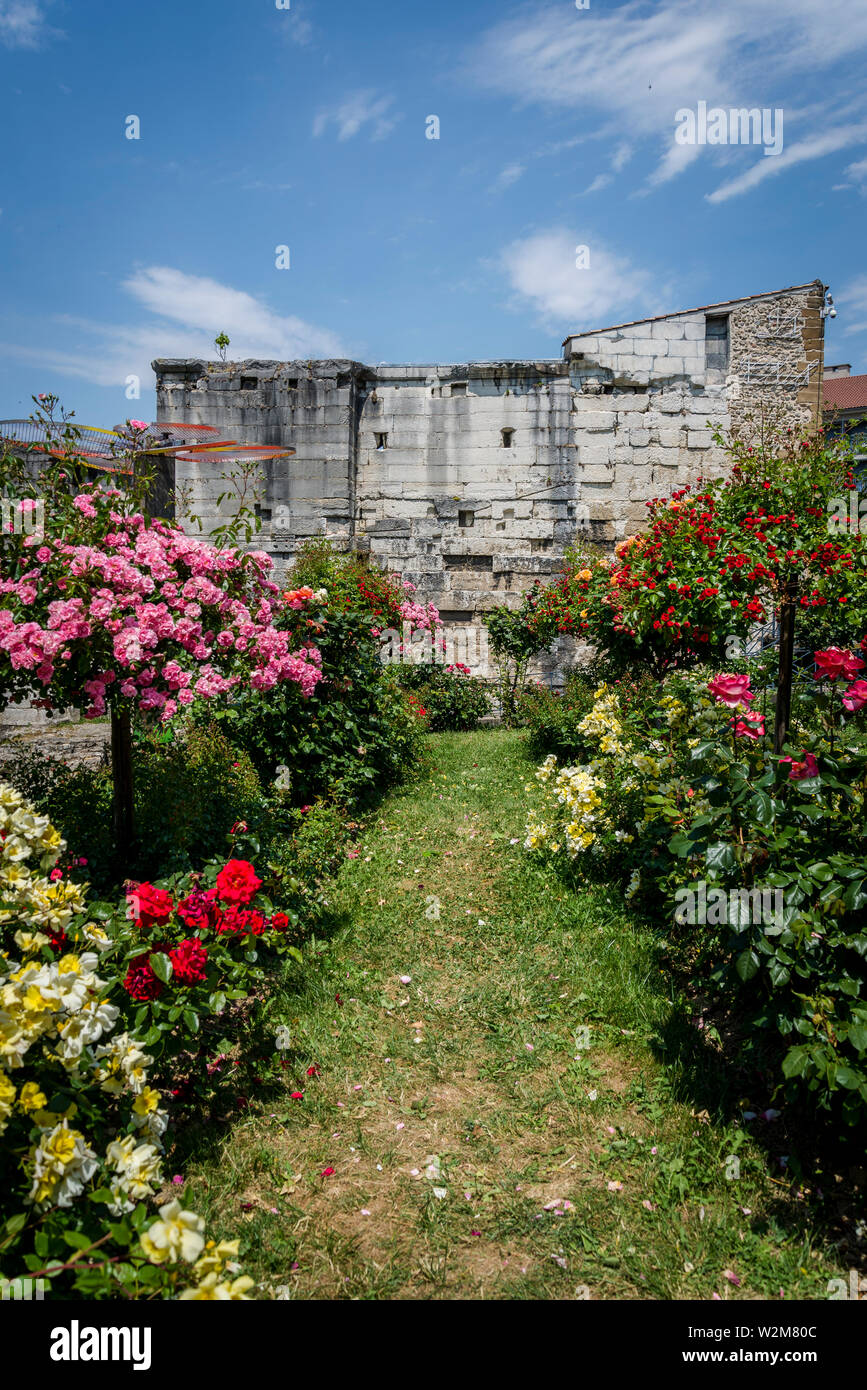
{"x":846,"y":393}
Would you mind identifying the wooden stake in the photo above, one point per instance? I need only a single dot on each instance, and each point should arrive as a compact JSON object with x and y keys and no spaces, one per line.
{"x":121,"y":773}
{"x":787,"y":662}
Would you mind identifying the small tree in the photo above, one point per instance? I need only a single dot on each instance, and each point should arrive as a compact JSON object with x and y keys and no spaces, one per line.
{"x":221,"y":343}
{"x":110,"y":611}
{"x":514,"y":643}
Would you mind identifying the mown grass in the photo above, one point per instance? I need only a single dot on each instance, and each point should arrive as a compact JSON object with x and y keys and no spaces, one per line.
{"x":456,"y":1108}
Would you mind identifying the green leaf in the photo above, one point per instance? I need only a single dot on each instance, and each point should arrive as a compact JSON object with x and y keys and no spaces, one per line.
{"x":795,"y":1062}
{"x":217,"y":1002}
{"x":821,"y":872}
{"x":720,"y":856}
{"x":762,"y":808}
{"x":191,"y":1019}
{"x":845,"y":1076}
{"x":161,"y":966}
{"x":16,"y":1223}
{"x":779,"y":973}
{"x":77,"y":1239}
{"x":747,"y":964}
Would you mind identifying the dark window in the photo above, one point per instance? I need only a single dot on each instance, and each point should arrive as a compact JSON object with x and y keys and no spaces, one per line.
{"x":249,"y":383}
{"x":716,"y":341}
{"x":507,"y":436}
{"x":292,"y":383}
{"x":459,"y":388}
{"x":381,"y":441}
{"x":465,"y":518}
{"x":263,"y":513}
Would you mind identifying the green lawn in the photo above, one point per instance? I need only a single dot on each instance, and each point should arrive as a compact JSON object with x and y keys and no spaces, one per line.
{"x":481,"y":1145}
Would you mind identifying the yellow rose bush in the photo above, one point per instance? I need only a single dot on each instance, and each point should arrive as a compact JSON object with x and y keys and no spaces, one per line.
{"x":81,"y":1130}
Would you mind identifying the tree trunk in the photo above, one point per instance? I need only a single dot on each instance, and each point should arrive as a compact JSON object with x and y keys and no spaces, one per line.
{"x":121,"y":772}
{"x":787,"y":661}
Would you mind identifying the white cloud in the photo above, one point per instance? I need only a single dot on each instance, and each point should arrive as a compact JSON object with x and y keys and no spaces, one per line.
{"x":507,"y":177}
{"x":541,"y":271}
{"x":360,"y":109}
{"x":23,"y":24}
{"x":188,"y":311}
{"x":858,"y":174}
{"x":629,"y":68}
{"x":621,"y":158}
{"x":814,"y":148}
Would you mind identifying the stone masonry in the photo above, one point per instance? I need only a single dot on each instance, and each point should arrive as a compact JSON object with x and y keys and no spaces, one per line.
{"x":471,"y":480}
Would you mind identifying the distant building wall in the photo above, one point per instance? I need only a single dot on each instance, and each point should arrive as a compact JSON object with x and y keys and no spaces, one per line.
{"x":471,"y":480}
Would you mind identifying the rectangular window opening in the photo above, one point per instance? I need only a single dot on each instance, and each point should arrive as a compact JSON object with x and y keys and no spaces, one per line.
{"x":465,"y":518}
{"x":507,"y":437}
{"x":381,"y":441}
{"x":459,"y":388}
{"x":716,"y":341}
{"x":249,"y":383}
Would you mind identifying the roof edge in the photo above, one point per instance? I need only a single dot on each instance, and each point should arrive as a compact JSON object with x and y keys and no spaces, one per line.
{"x":699,"y":309}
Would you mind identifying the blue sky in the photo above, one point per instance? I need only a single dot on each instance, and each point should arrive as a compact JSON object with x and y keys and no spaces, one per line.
{"x":306,"y":127}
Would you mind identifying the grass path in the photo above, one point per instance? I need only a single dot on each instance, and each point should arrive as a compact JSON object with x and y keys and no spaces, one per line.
{"x":482,"y":1146}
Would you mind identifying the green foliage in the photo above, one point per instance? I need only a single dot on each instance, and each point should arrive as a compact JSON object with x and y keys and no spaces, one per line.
{"x":667,"y":793}
{"x":356,"y":734}
{"x":189,"y":791}
{"x":450,"y":698}
{"x":552,"y":718}
{"x":191,"y":785}
{"x":514,"y":642}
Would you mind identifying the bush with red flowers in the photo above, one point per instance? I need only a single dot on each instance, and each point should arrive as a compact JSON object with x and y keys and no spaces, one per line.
{"x":716,"y":559}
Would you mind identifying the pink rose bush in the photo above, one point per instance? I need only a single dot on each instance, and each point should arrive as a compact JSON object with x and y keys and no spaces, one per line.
{"x":109,"y":605}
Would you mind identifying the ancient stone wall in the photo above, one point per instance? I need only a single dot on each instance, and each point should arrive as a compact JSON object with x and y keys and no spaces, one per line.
{"x":472,"y":479}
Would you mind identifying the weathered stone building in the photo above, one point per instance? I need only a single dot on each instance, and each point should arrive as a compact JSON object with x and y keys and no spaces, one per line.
{"x":472,"y":479}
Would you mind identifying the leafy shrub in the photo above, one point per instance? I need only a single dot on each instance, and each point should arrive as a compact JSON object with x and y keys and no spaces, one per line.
{"x":450,"y":697}
{"x":553,"y":720}
{"x":687,"y":799}
{"x":191,"y":784}
{"x":82,"y":1124}
{"x":188,"y":793}
{"x":357,"y":733}
{"x":716,"y":559}
{"x":514,"y":642}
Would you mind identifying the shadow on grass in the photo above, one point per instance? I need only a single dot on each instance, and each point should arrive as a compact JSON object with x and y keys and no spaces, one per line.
{"x":250,"y":1075}
{"x":715,"y":1060}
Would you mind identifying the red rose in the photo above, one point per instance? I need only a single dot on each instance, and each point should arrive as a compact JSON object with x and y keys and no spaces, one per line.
{"x":856,"y":696}
{"x":141,"y":982}
{"x":808,"y":768}
{"x":239,"y":921}
{"x":148,"y":905}
{"x":237,"y":882}
{"x":732,"y":690}
{"x":837,"y":663}
{"x":279,"y":921}
{"x":188,"y":961}
{"x":199,"y":909}
{"x":754,"y":729}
